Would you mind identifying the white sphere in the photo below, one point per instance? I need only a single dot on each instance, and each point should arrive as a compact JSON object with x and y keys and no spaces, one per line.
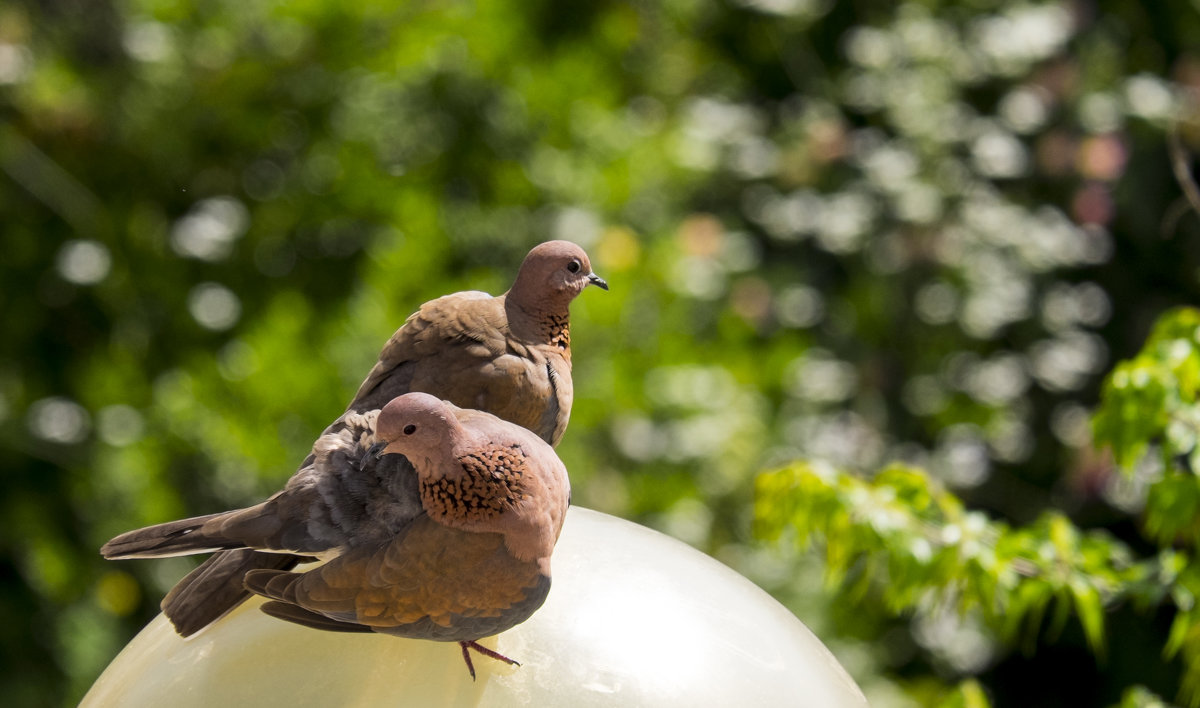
{"x":634,"y":618}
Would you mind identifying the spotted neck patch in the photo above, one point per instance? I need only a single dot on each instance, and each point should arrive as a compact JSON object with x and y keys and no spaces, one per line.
{"x":492,"y":483}
{"x":558,"y":330}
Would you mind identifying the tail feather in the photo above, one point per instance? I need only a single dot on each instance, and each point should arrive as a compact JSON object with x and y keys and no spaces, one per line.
{"x":272,"y":584}
{"x":174,"y":538}
{"x":215,"y":587}
{"x":308,"y":618}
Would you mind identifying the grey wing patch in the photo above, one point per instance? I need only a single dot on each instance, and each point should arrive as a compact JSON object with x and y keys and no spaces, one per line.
{"x":362,"y":427}
{"x":366,"y":498}
{"x":346,"y":494}
{"x":400,"y":501}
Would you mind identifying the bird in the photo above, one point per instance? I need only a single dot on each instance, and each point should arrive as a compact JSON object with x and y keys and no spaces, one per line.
{"x":453,"y":547}
{"x":509,"y":355}
{"x":497,"y":354}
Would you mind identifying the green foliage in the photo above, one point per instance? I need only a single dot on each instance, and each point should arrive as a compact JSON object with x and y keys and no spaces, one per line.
{"x":1141,"y":697}
{"x":904,"y":538}
{"x":903,"y":535}
{"x":845,"y":232}
{"x":1151,"y":399}
{"x":1151,"y":402}
{"x":968,"y":694}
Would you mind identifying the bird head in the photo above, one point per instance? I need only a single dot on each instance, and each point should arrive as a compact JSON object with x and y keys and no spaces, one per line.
{"x":415,"y":425}
{"x":556,"y":268}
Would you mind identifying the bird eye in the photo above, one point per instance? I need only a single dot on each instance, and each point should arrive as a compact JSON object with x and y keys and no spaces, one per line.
{"x":574,"y":266}
{"x":410,"y":429}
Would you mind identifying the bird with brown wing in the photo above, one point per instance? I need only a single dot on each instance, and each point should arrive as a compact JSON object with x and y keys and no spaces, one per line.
{"x":458,"y":551}
{"x":508,"y":355}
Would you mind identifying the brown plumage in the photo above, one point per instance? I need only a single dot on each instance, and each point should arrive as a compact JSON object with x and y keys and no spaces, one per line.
{"x":508,"y":355}
{"x":455,"y":551}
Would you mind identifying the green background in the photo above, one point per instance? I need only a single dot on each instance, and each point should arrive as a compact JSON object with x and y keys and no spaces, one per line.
{"x":847,"y":232}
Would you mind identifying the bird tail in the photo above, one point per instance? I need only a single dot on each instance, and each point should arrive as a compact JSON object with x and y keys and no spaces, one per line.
{"x":215,"y":587}
{"x":174,"y":538}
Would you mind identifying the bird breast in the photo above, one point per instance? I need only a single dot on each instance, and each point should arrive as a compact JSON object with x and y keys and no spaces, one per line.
{"x":531,"y":389}
{"x":490,"y":483}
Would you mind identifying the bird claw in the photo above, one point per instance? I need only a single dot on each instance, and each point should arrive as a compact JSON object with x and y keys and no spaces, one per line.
{"x":467,"y":646}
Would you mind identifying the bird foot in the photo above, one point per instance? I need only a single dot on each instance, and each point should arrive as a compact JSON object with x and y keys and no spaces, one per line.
{"x":467,"y":646}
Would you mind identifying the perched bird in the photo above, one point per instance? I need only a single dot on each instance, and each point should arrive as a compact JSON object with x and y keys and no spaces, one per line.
{"x":508,"y":355}
{"x":455,"y":551}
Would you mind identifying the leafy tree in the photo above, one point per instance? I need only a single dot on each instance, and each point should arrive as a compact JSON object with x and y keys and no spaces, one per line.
{"x":870,"y":236}
{"x":901,"y":538}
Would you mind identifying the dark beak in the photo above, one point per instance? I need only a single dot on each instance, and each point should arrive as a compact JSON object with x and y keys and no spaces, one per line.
{"x":373,"y":453}
{"x":594,"y":279}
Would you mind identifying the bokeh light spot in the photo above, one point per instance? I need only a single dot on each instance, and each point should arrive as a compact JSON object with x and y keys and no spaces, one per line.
{"x":214,"y":306}
{"x":59,"y":420}
{"x":208,"y":231}
{"x":84,"y":262}
{"x":120,"y":425}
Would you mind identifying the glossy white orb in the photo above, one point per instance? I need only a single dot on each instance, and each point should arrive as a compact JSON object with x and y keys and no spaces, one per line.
{"x":634,"y":618}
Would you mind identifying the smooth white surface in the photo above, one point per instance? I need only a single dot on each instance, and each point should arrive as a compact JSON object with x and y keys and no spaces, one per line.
{"x":634,"y":618}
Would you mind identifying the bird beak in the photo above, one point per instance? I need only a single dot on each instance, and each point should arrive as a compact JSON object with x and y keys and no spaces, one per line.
{"x":594,"y":279}
{"x":373,"y":453}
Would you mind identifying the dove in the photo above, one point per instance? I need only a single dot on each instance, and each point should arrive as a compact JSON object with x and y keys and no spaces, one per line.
{"x":453,"y":547}
{"x":508,"y":355}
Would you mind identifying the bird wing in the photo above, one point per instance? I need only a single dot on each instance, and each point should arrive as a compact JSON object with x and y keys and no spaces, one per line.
{"x":459,"y":348}
{"x":216,"y":587}
{"x":462,"y":324}
{"x":346,"y":496}
{"x":341,"y":489}
{"x":429,"y":574}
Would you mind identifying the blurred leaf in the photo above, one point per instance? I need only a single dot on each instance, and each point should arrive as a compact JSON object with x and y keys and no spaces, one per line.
{"x":968,"y":694}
